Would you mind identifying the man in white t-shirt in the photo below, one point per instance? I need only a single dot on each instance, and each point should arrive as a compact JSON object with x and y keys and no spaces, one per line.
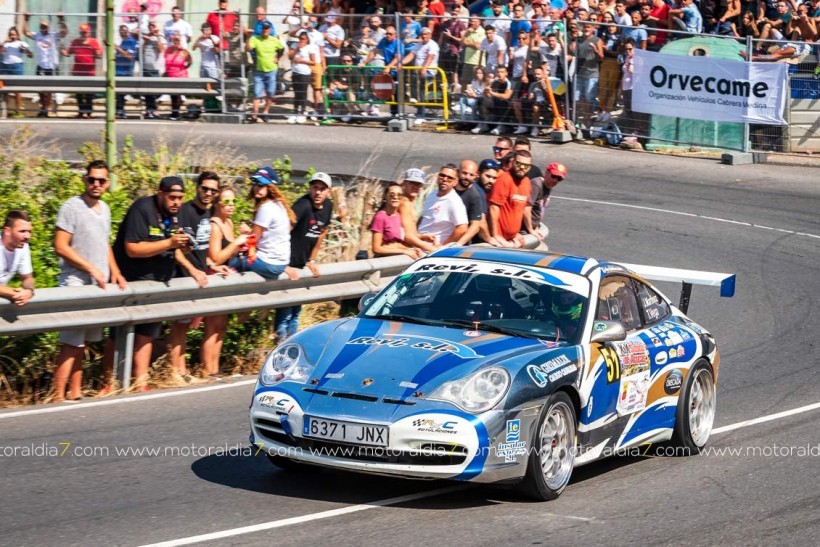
{"x":444,"y":215}
{"x":178,"y":25}
{"x":48,"y":53}
{"x":15,"y":258}
{"x":494,"y":49}
{"x":425,"y":55}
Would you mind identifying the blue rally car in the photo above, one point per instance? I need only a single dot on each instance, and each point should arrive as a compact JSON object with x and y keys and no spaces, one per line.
{"x":494,"y":366}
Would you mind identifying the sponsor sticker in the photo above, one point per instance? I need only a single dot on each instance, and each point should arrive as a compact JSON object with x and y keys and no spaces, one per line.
{"x":673,"y":353}
{"x":634,"y":387}
{"x":276,"y":402}
{"x":427,"y":425}
{"x":472,"y":333}
{"x":541,"y":374}
{"x":424,"y":343}
{"x":514,"y":446}
{"x":599,"y":326}
{"x":673,"y":382}
{"x":660,"y":358}
{"x":657,"y":342}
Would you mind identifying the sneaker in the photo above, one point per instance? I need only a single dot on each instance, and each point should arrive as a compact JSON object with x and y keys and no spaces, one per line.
{"x":327,"y":121}
{"x":480,"y":128}
{"x":121,"y":115}
{"x":42,"y":114}
{"x":456,"y":108}
{"x":150,"y":116}
{"x":291,"y":119}
{"x":418,"y":121}
{"x":173,"y":118}
{"x":498,"y":130}
{"x":301,"y":119}
{"x":535,"y":131}
{"x":374,"y":111}
{"x":413,"y":100}
{"x":347,"y":119}
{"x":520,"y":130}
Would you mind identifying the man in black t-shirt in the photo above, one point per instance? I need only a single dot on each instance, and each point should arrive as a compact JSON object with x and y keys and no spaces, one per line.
{"x":467,"y":175}
{"x":313,"y":213}
{"x":195,"y":220}
{"x":147,"y":244}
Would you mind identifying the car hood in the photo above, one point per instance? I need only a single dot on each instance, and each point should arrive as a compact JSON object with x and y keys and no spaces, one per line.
{"x":395,"y":362}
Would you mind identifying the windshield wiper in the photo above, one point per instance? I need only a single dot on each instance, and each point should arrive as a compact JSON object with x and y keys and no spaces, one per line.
{"x":492,"y":328}
{"x":405,"y":318}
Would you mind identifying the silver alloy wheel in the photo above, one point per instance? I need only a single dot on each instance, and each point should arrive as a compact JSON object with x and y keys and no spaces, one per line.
{"x":557,"y":446}
{"x":701,"y":407}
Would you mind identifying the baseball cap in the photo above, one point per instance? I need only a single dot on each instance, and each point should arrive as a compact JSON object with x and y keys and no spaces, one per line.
{"x":171,"y":184}
{"x":85,"y":27}
{"x":488,"y":164}
{"x":557,"y":169}
{"x":322,"y":177}
{"x":265,"y":176}
{"x":414,"y":175}
{"x":266,"y":24}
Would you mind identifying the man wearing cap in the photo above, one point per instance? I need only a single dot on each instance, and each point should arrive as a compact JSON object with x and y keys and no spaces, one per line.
{"x":540,"y":198}
{"x":268,"y":49}
{"x":313,"y":213}
{"x":509,"y":197}
{"x":411,"y":185}
{"x":48,"y":53}
{"x":147,"y":244}
{"x":86,"y":50}
{"x":444,"y":215}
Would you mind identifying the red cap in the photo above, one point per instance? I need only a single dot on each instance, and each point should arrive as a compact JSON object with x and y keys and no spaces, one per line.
{"x":557,"y":169}
{"x":85,"y":27}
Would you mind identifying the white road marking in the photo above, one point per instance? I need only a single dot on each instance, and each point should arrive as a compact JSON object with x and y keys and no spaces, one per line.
{"x":307,"y":518}
{"x":64,"y":407}
{"x":764,"y":419}
{"x":684,"y":214}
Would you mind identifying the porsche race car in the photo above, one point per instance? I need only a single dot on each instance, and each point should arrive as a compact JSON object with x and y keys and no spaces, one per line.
{"x":494,"y":366}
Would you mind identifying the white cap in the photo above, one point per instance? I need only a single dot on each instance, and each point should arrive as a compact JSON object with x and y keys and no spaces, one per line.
{"x":322,"y":177}
{"x":414,"y":175}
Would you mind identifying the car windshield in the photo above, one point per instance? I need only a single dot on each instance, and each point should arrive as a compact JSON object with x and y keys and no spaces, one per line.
{"x":491,"y":298}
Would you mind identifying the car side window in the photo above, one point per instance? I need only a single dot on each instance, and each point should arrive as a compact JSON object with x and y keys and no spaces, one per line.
{"x":654,"y":307}
{"x":617,"y":302}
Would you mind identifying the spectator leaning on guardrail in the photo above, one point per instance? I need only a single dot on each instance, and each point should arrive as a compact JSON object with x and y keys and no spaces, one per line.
{"x":195,"y":220}
{"x":82,"y":241}
{"x":387,"y":232}
{"x":411,"y":184}
{"x":272,"y":223}
{"x":15,"y":258}
{"x":48,"y":53}
{"x":313,"y":213}
{"x":510,"y":195}
{"x":148,"y":241}
{"x":444,"y":215}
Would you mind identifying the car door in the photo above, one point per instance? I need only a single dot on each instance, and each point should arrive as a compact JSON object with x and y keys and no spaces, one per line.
{"x":622,"y":385}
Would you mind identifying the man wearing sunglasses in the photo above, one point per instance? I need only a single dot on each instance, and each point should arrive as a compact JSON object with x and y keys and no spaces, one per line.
{"x":509,"y":196}
{"x":540,"y":198}
{"x":444,"y":215}
{"x":82,"y":241}
{"x":194,"y":220}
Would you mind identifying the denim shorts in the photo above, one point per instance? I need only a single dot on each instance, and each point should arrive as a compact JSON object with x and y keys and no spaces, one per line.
{"x":11,"y":69}
{"x":264,"y":83}
{"x":268,"y":271}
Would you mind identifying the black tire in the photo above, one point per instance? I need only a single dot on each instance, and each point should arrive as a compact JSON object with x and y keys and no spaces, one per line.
{"x":286,"y":463}
{"x":559,"y":423}
{"x":695,"y":414}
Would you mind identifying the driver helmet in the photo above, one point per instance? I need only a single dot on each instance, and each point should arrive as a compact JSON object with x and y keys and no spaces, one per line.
{"x":567,"y":306}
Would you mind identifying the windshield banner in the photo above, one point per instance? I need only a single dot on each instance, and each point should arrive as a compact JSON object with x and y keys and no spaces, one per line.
{"x":705,"y":88}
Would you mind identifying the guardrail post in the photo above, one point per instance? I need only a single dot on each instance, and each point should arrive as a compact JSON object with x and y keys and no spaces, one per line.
{"x":123,"y":354}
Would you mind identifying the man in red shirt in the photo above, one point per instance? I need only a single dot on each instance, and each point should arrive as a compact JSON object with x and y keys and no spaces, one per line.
{"x":509,"y":196}
{"x":86,"y":50}
{"x":228,"y":19}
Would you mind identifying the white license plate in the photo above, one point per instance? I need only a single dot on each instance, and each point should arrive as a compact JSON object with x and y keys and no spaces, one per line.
{"x":346,"y":432}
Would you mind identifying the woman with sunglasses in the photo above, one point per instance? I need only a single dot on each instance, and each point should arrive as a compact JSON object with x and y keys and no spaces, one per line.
{"x":388,"y":234}
{"x":272,"y":223}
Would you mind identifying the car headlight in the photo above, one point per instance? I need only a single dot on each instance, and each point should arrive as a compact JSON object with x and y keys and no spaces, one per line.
{"x":477,"y":392}
{"x":287,"y":362}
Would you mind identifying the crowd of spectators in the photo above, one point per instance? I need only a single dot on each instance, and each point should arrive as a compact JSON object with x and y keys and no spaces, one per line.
{"x":333,"y":49}
{"x":494,"y":201}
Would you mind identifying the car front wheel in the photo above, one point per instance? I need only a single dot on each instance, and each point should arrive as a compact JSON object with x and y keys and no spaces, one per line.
{"x":550,"y":464}
{"x":696,"y":409}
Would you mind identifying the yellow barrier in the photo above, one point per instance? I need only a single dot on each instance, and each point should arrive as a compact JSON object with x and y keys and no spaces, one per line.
{"x":350,"y":87}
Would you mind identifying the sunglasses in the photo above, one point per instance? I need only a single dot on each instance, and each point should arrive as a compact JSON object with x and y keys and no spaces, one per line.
{"x":499,"y":149}
{"x":521,"y":165}
{"x":95,"y":180}
{"x":446,"y":177}
{"x":394,"y":195}
{"x":227,"y":201}
{"x":207,"y":190}
{"x":347,"y":60}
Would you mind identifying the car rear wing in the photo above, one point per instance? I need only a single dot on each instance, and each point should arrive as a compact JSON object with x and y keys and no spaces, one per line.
{"x":687,"y":278}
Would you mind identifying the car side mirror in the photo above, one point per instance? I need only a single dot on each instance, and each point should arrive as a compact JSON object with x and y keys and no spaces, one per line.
{"x":366,"y":299}
{"x":608,"y":331}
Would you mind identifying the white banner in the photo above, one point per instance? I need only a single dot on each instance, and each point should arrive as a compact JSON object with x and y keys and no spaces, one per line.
{"x":704,"y":88}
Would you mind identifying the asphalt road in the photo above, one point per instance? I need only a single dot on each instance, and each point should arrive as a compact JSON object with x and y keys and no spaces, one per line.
{"x":758,"y":486}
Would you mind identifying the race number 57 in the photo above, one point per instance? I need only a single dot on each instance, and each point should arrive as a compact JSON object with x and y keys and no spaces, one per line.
{"x":613,"y":364}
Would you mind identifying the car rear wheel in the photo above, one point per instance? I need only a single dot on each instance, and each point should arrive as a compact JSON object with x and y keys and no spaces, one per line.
{"x":696,"y":409}
{"x":550,"y":464}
